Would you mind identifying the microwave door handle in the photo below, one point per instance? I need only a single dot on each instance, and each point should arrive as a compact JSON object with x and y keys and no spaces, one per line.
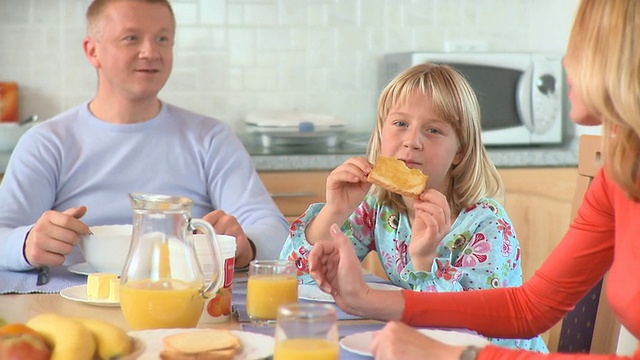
{"x":523,"y":100}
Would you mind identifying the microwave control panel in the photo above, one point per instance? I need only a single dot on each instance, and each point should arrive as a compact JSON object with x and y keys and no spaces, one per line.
{"x":547,"y":92}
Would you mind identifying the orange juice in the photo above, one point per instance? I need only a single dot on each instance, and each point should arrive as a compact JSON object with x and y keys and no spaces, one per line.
{"x":266,"y":292}
{"x":150,"y":304}
{"x":308,"y":349}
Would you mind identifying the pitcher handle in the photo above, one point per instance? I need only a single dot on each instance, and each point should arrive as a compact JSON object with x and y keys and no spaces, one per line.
{"x":211,"y":286}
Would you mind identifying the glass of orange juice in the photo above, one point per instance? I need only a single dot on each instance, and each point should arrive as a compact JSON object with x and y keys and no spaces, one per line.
{"x":306,"y":331}
{"x":271,"y":283}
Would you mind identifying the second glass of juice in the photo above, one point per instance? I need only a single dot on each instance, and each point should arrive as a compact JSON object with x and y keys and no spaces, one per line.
{"x":271,"y":283}
{"x":306,"y":331}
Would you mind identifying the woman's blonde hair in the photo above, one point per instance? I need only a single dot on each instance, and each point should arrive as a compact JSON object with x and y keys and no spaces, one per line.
{"x":604,"y":50}
{"x":454,"y":101}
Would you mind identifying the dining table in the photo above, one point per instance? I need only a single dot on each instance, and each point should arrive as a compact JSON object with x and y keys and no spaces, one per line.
{"x":21,"y":299}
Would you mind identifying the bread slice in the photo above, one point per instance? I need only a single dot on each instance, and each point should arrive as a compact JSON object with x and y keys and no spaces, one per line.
{"x":228,"y":354}
{"x":202,"y":341}
{"x":393,"y":175}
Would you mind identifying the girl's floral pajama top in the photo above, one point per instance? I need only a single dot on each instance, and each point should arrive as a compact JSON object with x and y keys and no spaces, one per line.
{"x":481,"y":251}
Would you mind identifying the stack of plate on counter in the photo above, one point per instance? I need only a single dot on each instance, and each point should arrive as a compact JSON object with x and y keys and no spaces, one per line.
{"x":295,"y":128}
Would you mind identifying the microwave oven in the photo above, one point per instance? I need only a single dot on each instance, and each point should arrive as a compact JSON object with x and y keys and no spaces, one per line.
{"x":521,"y":95}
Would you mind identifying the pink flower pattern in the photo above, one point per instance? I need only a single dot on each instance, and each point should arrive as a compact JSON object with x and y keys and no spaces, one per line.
{"x":476,"y":251}
{"x":401,"y":255}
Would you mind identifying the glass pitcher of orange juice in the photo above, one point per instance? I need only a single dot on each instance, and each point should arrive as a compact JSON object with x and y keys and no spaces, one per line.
{"x":162,"y":284}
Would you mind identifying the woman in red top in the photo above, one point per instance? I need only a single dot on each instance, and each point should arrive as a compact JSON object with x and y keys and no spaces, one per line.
{"x":603,"y":71}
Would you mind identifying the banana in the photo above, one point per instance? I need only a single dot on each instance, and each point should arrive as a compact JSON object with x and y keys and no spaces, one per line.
{"x":111,"y":341}
{"x":68,"y":338}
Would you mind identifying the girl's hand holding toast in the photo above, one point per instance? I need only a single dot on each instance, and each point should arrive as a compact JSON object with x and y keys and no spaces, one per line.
{"x":347,"y":186}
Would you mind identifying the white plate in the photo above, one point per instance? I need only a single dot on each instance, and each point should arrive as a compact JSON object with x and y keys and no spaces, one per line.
{"x":255,"y":346}
{"x":79,"y":293}
{"x":359,"y":343}
{"x":82,"y":269}
{"x":313,"y":292}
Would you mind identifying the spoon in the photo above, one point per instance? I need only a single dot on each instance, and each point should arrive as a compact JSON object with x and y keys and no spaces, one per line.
{"x":30,"y":119}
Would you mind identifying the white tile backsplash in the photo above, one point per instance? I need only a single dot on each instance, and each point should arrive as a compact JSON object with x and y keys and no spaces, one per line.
{"x":237,"y":56}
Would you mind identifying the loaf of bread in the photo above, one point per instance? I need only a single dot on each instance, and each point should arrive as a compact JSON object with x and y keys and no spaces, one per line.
{"x":206,"y":344}
{"x":393,"y":175}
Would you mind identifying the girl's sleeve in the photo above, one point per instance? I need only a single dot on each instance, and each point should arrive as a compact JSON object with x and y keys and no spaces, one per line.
{"x":480,"y":253}
{"x":297,"y":248}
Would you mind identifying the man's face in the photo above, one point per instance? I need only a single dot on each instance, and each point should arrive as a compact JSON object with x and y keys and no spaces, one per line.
{"x":132,"y":49}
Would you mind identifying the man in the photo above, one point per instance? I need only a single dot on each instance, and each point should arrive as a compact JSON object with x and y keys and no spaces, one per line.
{"x":77,"y":168}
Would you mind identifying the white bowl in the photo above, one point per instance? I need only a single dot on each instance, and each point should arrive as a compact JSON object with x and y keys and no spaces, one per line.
{"x":9,"y":135}
{"x":106,"y":250}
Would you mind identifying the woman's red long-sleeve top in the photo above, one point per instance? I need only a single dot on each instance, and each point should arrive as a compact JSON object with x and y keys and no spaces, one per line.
{"x":604,"y":236}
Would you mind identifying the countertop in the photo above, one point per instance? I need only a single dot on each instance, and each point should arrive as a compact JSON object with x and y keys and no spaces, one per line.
{"x":323,"y":157}
{"x":320,"y":156}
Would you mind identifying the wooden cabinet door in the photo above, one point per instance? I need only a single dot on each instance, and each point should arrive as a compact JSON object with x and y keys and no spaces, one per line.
{"x":538,"y":202}
{"x":294,"y":191}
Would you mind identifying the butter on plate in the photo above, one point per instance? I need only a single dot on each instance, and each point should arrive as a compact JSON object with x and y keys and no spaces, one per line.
{"x":99,"y":285}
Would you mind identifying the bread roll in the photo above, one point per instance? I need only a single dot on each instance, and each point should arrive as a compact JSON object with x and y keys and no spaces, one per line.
{"x":393,"y":175}
{"x":209,"y":344}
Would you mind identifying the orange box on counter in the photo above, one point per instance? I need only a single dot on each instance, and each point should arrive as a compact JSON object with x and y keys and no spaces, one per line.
{"x":8,"y":101}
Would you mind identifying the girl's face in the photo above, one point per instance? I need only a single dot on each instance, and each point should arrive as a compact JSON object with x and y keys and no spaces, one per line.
{"x":578,"y":113}
{"x":414,"y":134}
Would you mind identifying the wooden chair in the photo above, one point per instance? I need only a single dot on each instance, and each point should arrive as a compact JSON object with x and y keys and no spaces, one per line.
{"x":591,"y":326}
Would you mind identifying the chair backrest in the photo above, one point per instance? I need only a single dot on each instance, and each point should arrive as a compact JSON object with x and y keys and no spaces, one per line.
{"x":591,"y":326}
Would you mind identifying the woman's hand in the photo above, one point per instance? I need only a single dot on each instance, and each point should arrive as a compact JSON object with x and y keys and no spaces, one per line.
{"x":399,"y":341}
{"x":336,"y":269}
{"x":347,"y":185}
{"x":432,"y":221}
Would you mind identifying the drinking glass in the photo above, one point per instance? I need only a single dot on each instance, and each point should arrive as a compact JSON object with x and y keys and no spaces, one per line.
{"x":271,"y":283}
{"x":306,"y":331}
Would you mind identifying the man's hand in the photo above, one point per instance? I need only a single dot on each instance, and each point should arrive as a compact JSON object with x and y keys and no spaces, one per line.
{"x":225,"y":224}
{"x":53,"y":236}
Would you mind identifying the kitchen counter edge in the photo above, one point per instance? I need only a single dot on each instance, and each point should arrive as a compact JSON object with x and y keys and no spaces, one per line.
{"x":561,"y":156}
{"x":502,"y":158}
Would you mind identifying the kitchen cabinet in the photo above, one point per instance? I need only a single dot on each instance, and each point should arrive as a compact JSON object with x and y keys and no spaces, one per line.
{"x":294,"y":191}
{"x":538,"y":202}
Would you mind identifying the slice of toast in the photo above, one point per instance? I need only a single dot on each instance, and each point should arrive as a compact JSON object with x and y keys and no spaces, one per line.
{"x":393,"y":175}
{"x":228,"y":354}
{"x":201,"y":342}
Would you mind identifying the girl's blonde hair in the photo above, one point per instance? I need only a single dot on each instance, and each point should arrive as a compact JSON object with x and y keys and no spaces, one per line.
{"x":454,"y":101}
{"x":604,"y":49}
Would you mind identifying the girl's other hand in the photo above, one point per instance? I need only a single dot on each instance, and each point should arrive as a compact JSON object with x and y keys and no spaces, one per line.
{"x":431,"y":222}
